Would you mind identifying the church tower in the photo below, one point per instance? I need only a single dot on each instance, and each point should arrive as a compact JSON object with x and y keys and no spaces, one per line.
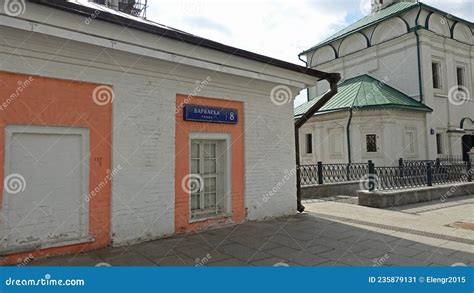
{"x":378,"y":5}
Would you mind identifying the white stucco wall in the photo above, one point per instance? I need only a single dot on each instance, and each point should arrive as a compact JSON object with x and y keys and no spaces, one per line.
{"x":448,"y":112}
{"x":390,"y":126}
{"x":394,"y":62}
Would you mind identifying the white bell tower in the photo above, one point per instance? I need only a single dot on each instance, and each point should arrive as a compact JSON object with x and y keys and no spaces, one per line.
{"x":378,"y":5}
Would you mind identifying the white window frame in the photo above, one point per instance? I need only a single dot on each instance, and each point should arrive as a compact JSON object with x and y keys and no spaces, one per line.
{"x":464,"y":79}
{"x":442,"y":75}
{"x":227,"y":182}
{"x":443,"y":142}
{"x":338,"y":133}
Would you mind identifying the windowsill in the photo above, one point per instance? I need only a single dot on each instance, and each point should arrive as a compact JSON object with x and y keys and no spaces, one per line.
{"x":440,"y":95}
{"x":207,"y":218}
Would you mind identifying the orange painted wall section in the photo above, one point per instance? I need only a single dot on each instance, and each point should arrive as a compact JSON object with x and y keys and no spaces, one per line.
{"x":53,"y":102}
{"x":183,"y":131}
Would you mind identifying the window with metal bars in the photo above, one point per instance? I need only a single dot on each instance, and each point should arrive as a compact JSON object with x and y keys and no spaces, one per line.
{"x":371,"y":143}
{"x":207,"y":199}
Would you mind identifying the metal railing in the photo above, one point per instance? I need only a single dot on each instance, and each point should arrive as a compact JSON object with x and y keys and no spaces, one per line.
{"x":332,"y":173}
{"x":399,"y":178}
{"x":309,"y":175}
{"x":408,"y":174}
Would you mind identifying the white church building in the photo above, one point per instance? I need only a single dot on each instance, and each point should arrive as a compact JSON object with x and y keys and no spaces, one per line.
{"x":407,"y":88}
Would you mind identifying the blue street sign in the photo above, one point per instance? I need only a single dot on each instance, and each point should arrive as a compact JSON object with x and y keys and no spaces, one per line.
{"x":210,"y":114}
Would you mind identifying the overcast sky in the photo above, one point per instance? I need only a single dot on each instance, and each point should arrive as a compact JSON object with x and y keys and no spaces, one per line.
{"x":277,"y":28}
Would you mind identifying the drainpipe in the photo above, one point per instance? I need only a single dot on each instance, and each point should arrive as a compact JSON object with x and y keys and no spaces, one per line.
{"x":306,"y":64}
{"x":333,"y":79}
{"x":349,"y":154}
{"x":418,"y":51}
{"x":420,"y":77}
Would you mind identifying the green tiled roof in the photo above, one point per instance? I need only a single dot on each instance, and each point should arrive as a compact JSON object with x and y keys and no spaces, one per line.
{"x":369,"y":20}
{"x":365,"y":92}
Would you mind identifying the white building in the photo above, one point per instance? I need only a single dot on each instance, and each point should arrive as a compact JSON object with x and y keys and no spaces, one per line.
{"x":424,"y":53}
{"x":117,"y":130}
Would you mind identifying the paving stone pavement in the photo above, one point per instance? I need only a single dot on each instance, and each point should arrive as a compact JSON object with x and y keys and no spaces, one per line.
{"x":300,"y":240}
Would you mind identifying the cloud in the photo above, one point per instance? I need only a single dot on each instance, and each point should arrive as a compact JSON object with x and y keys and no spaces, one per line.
{"x":277,"y":28}
{"x":207,"y":24}
{"x":460,"y":8}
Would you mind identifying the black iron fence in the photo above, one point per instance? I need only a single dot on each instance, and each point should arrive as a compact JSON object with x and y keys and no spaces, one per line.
{"x":415,"y":175}
{"x":332,"y":173}
{"x":445,"y":160}
{"x":408,"y":174}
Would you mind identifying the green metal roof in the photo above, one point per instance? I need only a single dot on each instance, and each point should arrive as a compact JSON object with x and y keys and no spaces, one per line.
{"x":364,"y":92}
{"x":386,"y":13}
{"x":369,"y":20}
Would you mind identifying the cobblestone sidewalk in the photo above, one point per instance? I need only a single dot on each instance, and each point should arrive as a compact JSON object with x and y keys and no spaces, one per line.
{"x":301,"y":240}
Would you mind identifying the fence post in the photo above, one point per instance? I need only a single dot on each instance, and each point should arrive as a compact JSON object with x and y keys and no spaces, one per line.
{"x":320,"y":172}
{"x":438,"y":162}
{"x":469,"y":172}
{"x":348,"y":172}
{"x":400,"y":165}
{"x":371,"y":176}
{"x":429,"y":174}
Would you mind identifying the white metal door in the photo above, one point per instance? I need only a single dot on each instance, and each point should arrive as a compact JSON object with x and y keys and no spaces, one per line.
{"x":51,"y":209}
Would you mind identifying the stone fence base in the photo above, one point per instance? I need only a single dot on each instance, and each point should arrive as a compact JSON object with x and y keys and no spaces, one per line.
{"x":330,"y":189}
{"x":385,"y":199}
